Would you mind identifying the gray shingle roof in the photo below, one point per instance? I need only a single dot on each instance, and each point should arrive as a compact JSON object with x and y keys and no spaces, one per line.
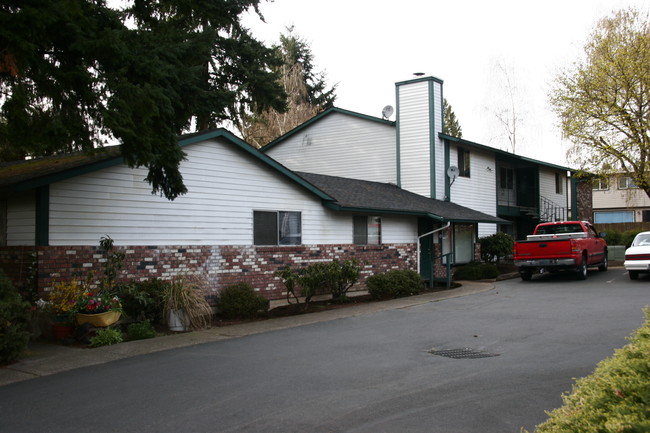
{"x":361,"y":195}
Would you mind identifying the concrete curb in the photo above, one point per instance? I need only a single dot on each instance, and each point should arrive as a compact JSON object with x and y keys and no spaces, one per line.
{"x":44,"y":359}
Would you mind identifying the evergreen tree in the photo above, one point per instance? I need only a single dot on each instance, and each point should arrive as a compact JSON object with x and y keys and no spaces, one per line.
{"x":307,"y":93}
{"x":75,"y":76}
{"x":451,"y":126}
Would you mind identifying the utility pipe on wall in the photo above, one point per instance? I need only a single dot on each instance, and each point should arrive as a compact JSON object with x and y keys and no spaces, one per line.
{"x":427,"y":234}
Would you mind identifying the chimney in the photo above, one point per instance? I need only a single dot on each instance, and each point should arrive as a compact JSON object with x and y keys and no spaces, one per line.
{"x":420,"y":153}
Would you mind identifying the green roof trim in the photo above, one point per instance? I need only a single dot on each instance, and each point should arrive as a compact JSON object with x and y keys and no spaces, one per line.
{"x":340,"y":208}
{"x":503,"y":152}
{"x":319,"y":116}
{"x":32,"y":174}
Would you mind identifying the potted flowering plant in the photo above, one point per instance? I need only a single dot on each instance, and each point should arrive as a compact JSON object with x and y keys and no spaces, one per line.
{"x":61,"y":305}
{"x":99,"y":309}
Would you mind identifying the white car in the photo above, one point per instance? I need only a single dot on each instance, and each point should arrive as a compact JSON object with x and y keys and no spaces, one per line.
{"x":637,"y":257}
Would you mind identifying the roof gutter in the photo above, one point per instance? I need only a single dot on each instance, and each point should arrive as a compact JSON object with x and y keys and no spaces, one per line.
{"x":338,"y":207}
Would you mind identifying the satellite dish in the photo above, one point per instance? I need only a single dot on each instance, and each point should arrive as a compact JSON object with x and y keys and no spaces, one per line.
{"x":453,"y":172}
{"x":387,"y":112}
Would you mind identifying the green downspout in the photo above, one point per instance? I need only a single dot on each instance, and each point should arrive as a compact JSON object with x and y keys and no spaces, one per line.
{"x":574,"y":198}
{"x":447,"y":162}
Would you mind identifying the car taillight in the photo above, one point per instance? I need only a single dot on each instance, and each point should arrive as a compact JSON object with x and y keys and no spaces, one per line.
{"x":637,"y":257}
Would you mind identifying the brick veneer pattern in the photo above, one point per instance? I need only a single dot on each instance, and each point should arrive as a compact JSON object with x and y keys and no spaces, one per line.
{"x":221,"y":265}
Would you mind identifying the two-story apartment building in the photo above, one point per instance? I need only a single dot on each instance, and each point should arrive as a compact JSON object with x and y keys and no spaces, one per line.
{"x":413,"y":153}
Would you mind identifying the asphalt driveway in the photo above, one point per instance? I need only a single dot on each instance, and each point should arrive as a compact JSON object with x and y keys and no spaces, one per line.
{"x":522,"y":344}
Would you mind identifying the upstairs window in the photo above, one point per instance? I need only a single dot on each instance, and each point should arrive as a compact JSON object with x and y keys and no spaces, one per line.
{"x":463,"y":162}
{"x":558,"y":183}
{"x":366,"y":230}
{"x":626,"y":182}
{"x":600,"y":184}
{"x":277,"y":228}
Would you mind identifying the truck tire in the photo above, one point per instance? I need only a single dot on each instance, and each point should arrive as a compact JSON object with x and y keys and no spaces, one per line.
{"x":526,"y":275}
{"x":581,"y":272}
{"x":604,"y":264}
{"x":634,"y":275}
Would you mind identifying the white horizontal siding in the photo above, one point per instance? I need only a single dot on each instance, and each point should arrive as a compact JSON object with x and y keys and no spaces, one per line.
{"x":341,"y":145}
{"x":225,"y":187}
{"x":547,"y":186}
{"x":614,"y":198}
{"x":414,"y":138}
{"x":398,"y":230}
{"x":21,"y":220}
{"x":479,"y":191}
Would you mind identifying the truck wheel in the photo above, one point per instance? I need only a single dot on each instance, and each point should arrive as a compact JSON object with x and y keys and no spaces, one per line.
{"x":603,"y":265}
{"x":581,"y":273}
{"x":634,"y":275}
{"x":526,"y":275}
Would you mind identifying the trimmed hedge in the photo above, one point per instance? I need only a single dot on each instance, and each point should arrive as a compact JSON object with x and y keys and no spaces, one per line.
{"x":394,"y":284}
{"x":241,"y":301}
{"x":615,"y":398}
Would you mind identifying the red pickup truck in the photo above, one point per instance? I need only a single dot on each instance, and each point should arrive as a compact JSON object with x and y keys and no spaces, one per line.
{"x":556,"y":246}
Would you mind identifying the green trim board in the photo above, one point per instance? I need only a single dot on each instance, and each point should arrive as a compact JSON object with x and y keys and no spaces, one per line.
{"x":112,"y":160}
{"x":398,"y":148}
{"x":503,"y":153}
{"x":447,"y":165}
{"x":432,"y":139}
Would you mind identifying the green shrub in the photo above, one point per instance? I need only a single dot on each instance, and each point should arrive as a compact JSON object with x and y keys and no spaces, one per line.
{"x":614,"y":398}
{"x":496,"y":247}
{"x":143,"y":300}
{"x":621,"y":238}
{"x":14,"y":321}
{"x":476,"y":271}
{"x":332,"y":277}
{"x":290,"y":279}
{"x":141,"y":330}
{"x":394,"y":284}
{"x":240,"y":301}
{"x":106,"y":337}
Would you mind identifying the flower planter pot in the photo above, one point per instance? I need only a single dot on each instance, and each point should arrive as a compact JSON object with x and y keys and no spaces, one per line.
{"x":176,"y":321}
{"x":99,"y":320}
{"x":61,"y":331}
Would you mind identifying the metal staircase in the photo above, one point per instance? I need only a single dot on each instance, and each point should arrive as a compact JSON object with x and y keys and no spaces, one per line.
{"x":550,"y":211}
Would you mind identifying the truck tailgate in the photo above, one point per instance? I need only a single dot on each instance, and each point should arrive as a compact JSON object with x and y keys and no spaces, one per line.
{"x":556,"y":248}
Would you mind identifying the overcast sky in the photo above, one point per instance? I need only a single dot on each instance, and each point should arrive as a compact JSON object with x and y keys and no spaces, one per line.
{"x":366,"y":46}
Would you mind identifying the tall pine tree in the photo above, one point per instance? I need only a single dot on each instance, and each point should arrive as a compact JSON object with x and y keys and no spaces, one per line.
{"x":451,"y":126}
{"x":307,"y":93}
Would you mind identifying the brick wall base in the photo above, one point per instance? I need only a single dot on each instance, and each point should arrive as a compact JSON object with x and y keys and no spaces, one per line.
{"x":220,"y":265}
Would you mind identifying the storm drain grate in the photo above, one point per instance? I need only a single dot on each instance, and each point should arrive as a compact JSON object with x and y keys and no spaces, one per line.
{"x":464,"y":353}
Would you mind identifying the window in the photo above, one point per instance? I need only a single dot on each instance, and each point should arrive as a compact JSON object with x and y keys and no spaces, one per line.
{"x":463,"y":162}
{"x":600,"y":184}
{"x":613,"y":217}
{"x":558,"y":183}
{"x":366,"y":230}
{"x":507,"y":178}
{"x":626,"y":182}
{"x":277,"y":228}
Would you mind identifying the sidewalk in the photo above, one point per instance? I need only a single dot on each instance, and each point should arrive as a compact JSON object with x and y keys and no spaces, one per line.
{"x":43,"y":359}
